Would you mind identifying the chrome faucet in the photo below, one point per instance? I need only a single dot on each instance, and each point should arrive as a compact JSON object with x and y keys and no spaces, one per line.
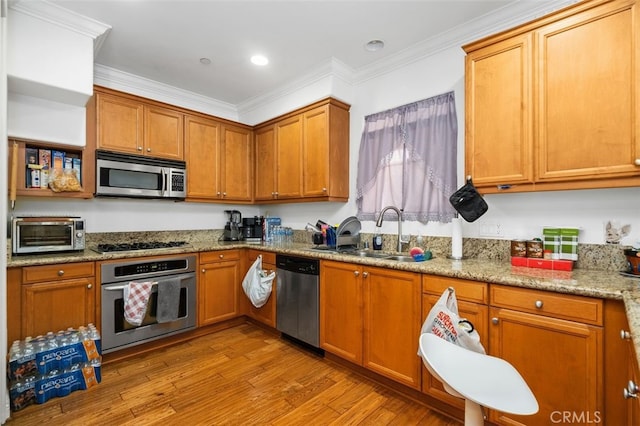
{"x":399,"y":213}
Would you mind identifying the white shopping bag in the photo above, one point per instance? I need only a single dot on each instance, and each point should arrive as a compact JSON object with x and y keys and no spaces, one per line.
{"x":257,"y":284}
{"x":444,"y":321}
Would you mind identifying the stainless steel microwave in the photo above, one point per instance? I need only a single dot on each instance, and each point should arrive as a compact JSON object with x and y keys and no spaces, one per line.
{"x":135,"y":176}
{"x":32,"y":235}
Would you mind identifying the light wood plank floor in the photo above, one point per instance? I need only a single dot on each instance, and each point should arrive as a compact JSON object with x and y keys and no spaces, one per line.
{"x":239,"y":376}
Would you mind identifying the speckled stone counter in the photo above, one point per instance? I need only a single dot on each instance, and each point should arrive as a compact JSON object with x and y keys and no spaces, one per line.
{"x":584,"y":282}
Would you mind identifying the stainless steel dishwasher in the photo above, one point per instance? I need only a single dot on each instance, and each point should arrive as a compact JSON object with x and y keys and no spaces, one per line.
{"x":297,"y":306}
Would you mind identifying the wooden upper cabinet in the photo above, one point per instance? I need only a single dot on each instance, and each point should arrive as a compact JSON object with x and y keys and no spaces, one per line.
{"x":265,"y":163}
{"x":289,"y":158}
{"x":163,"y":133}
{"x":498,"y":97}
{"x":587,"y":95}
{"x":219,"y":160}
{"x":236,"y":163}
{"x":552,"y":104}
{"x":202,"y":148}
{"x":304,"y":155}
{"x":134,"y":126}
{"x":120,"y":123}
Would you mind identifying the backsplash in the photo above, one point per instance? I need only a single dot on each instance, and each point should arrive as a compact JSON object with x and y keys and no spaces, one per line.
{"x":607,"y":257}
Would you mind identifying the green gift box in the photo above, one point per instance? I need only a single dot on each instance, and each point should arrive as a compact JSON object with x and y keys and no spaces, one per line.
{"x":569,"y":243}
{"x":551,"y":241}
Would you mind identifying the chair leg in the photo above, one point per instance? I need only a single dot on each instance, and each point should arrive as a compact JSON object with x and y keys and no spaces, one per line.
{"x":473,"y":415}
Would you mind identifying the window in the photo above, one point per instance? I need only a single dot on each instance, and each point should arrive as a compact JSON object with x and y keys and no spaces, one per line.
{"x":408,"y":159}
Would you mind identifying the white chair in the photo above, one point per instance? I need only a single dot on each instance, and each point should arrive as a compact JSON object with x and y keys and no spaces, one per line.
{"x":482,"y":380}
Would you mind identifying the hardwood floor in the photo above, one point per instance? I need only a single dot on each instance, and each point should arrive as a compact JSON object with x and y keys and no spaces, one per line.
{"x":240,"y":376}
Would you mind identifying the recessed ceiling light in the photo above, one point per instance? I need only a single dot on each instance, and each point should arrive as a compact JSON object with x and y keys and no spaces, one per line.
{"x":374,"y":45}
{"x":259,"y":60}
{"x":205,"y":61}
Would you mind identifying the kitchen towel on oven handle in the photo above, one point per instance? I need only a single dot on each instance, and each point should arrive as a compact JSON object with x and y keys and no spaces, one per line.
{"x":257,"y":283}
{"x":136,"y":297}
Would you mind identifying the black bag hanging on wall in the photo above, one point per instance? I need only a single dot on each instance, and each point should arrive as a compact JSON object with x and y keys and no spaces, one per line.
{"x":468,"y":202}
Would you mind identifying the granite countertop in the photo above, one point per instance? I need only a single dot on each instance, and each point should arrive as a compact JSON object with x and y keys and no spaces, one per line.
{"x":582,"y":282}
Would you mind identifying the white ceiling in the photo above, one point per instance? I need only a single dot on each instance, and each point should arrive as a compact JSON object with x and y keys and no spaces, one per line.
{"x":163,"y":40}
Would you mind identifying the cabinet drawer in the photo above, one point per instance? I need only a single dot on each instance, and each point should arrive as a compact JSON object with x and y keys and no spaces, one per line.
{"x":267,"y":256}
{"x":471,"y":291}
{"x":219,"y":256}
{"x":34,"y":274}
{"x":564,"y":306}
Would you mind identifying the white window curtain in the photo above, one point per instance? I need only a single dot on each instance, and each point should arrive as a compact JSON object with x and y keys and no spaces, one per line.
{"x":408,"y":159}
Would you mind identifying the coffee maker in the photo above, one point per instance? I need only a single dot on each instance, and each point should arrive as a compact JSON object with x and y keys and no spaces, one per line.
{"x":252,"y":228}
{"x":233,"y":228}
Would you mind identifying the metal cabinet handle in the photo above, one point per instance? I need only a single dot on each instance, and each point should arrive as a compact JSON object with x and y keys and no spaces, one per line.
{"x":539,"y":304}
{"x":224,"y":194}
{"x":139,"y":148}
{"x":365,"y":274}
{"x":221,"y":256}
{"x":324,"y":189}
{"x":356,"y":273}
{"x":203,"y":270}
{"x":60,"y":273}
{"x":637,"y":161}
{"x":625,"y":335}
{"x":218,"y":193}
{"x":148,"y":149}
{"x":89,"y":286}
{"x":494,"y":321}
{"x":631,"y":391}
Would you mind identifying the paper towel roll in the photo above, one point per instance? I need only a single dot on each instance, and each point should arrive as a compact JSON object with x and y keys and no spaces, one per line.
{"x":456,"y":238}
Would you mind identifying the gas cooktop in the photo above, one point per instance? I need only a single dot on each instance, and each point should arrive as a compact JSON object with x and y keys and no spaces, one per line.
{"x":145,"y":245}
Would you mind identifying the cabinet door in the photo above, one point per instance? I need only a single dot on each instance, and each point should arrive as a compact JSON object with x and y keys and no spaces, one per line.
{"x":560,"y":361}
{"x":53,"y":306}
{"x":588,"y":111}
{"x":265,"y":182}
{"x":341,"y":310}
{"x":499,"y":146}
{"x":315,"y":153}
{"x":202,"y":146}
{"x":617,"y":339}
{"x":218,"y":291}
{"x":163,"y":133}
{"x":236,"y":165}
{"x":289,"y":158}
{"x":266,"y":314}
{"x":119,"y":124}
{"x":392,"y":316}
{"x":478,"y":315}
{"x":633,"y":409}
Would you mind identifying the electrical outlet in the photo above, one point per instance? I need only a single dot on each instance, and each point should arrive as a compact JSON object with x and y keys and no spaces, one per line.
{"x":491,"y":230}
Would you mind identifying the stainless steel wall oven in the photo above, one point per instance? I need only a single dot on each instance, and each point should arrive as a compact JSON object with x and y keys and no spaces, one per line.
{"x":117,"y":333}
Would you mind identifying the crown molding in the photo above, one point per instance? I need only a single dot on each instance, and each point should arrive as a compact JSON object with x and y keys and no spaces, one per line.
{"x":331,"y":68}
{"x":64,"y":18}
{"x":130,"y":83}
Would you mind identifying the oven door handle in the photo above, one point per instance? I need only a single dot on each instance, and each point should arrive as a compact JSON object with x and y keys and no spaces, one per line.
{"x":122,"y":287}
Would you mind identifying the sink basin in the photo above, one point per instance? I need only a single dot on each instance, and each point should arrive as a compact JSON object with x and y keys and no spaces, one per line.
{"x":400,"y":258}
{"x":367,"y":253}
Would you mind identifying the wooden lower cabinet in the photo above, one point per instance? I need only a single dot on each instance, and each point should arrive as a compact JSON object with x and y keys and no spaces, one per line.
{"x":472,"y":299}
{"x":560,"y":359}
{"x":266,"y":314}
{"x":56,"y":297}
{"x":633,"y":398}
{"x":218,"y":287}
{"x":371,"y":317}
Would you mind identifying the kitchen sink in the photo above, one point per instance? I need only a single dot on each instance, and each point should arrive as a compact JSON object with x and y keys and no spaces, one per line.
{"x":367,"y":253}
{"x":400,"y":258}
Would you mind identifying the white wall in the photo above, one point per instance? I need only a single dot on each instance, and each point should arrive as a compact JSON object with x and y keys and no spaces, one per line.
{"x":514,"y":215}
